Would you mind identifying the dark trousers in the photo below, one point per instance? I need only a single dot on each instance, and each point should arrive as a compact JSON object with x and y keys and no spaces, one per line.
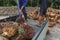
{"x":43,"y":6}
{"x":24,"y":13}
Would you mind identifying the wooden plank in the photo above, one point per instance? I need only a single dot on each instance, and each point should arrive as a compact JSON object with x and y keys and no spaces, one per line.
{"x":2,"y":17}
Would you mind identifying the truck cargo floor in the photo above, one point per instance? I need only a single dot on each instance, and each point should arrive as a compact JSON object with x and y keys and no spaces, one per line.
{"x":54,"y":33}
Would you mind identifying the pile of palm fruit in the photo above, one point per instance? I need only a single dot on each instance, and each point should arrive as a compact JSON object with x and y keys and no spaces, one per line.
{"x":18,"y":30}
{"x":34,"y":16}
{"x":52,"y":14}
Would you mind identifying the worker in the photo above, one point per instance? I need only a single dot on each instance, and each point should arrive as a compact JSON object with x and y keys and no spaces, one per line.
{"x":44,"y":4}
{"x":21,"y":6}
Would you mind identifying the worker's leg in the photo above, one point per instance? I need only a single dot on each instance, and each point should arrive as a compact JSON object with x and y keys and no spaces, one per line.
{"x":43,"y":7}
{"x":25,"y":14}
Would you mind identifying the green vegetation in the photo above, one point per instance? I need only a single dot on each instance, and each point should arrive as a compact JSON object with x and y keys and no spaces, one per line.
{"x":55,"y":4}
{"x":31,"y":3}
{"x":7,"y":3}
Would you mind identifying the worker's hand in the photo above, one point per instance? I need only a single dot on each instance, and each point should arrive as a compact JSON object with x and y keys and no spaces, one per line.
{"x":20,"y":11}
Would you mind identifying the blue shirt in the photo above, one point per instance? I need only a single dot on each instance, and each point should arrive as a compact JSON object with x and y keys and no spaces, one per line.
{"x":22,"y":3}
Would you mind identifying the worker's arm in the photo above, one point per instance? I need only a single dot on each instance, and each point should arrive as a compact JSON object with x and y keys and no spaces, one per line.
{"x":44,"y":6}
